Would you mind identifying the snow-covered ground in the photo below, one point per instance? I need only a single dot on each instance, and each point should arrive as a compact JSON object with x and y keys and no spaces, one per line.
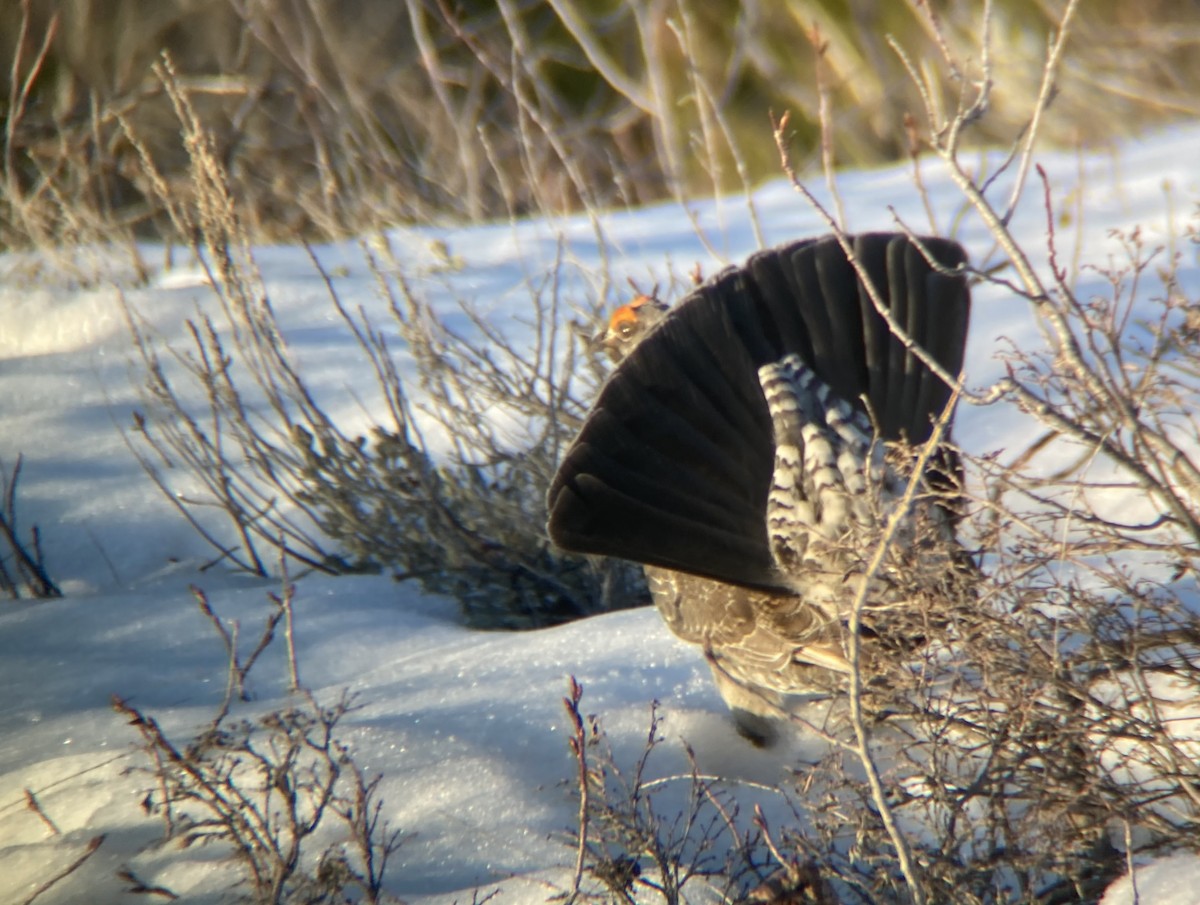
{"x":467,"y":728}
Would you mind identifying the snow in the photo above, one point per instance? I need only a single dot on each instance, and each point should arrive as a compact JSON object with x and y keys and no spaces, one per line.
{"x":467,"y":728}
{"x":1172,"y":880}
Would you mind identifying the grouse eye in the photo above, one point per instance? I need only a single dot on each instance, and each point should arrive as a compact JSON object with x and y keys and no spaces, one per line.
{"x":626,"y":330}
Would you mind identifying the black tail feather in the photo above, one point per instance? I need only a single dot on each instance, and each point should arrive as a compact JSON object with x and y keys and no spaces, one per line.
{"x":673,"y":466}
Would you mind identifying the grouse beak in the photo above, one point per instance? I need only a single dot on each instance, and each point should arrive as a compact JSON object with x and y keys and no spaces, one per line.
{"x":607,"y":343}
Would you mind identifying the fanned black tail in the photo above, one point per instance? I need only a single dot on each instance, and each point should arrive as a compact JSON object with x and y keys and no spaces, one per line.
{"x":673,"y":466}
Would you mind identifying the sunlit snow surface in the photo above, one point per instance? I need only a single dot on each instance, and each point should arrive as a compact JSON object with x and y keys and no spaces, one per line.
{"x":466,"y":727}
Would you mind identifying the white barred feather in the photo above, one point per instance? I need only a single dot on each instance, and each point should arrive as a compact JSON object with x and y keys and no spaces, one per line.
{"x":825,"y":461}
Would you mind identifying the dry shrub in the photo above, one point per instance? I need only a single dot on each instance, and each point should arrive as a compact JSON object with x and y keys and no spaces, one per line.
{"x":331,"y":118}
{"x":1033,"y":730}
{"x":259,"y":451}
{"x":23,"y":570}
{"x":1037,"y":729}
{"x":642,"y":837}
{"x":269,"y":788}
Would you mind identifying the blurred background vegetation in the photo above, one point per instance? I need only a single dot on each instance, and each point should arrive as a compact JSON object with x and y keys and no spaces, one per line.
{"x":332,"y":116}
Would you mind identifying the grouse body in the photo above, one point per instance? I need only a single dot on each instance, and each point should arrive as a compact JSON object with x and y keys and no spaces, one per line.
{"x":742,"y":451}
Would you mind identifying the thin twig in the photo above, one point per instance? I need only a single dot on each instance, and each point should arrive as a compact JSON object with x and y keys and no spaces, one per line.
{"x":578,"y":744}
{"x":93,"y":844}
{"x":1045,"y":95}
{"x":34,"y":805}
